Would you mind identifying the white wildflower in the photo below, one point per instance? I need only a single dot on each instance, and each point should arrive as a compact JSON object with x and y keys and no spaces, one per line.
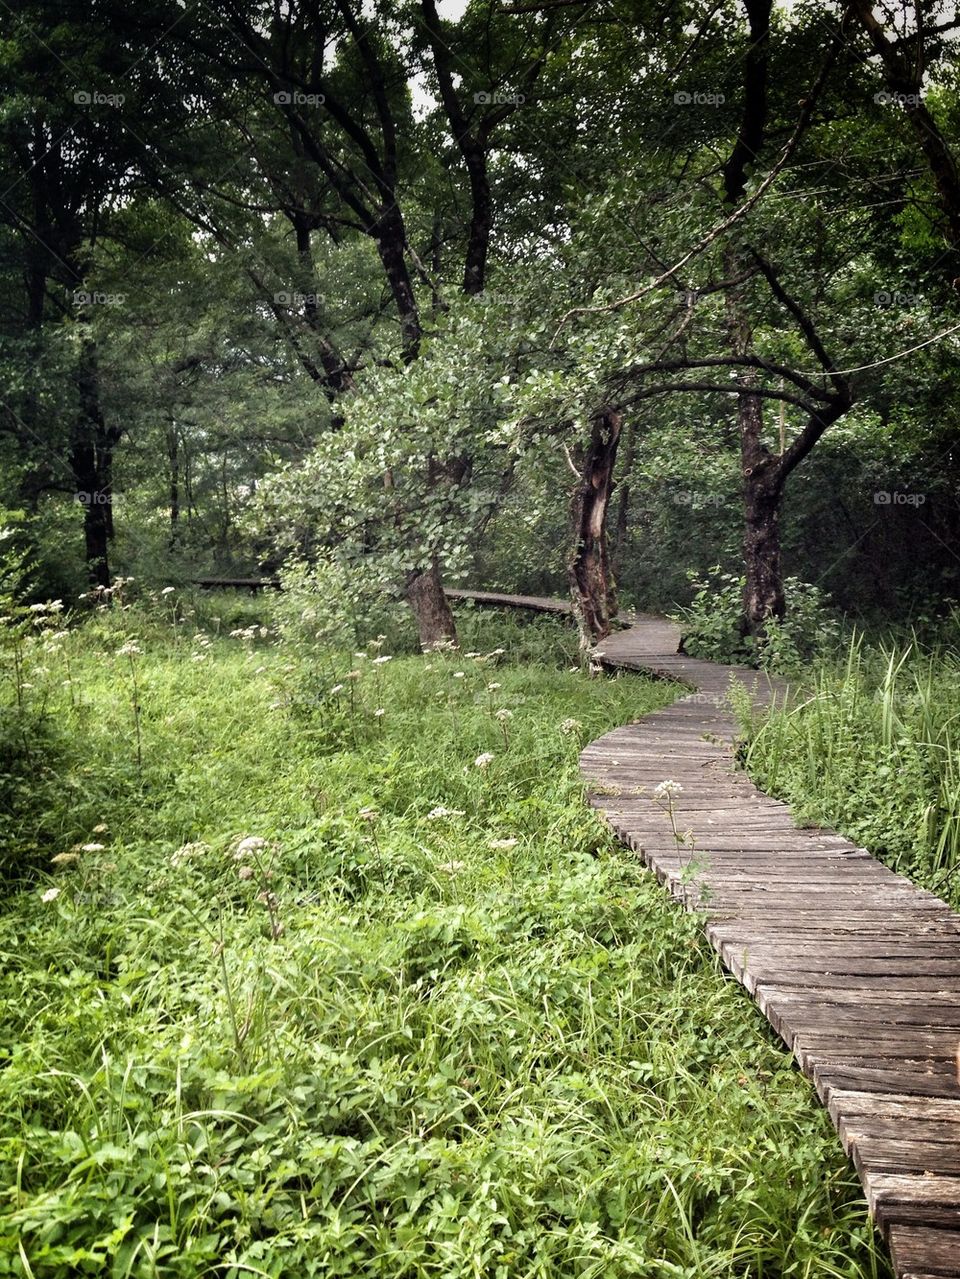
{"x":458,"y":674}
{"x":65,"y":859}
{"x":451,"y":868}
{"x":245,"y":872}
{"x":482,"y":761}
{"x":168,"y":590}
{"x":379,"y":661}
{"x":248,"y":847}
{"x":492,"y":688}
{"x":50,"y":895}
{"x":442,"y":811}
{"x":129,"y":650}
{"x":503,"y":843}
{"x":379,"y":712}
{"x":504,"y":714}
{"x":571,"y":726}
{"x":666,"y":790}
{"x":337,"y":688}
{"x":92,"y":848}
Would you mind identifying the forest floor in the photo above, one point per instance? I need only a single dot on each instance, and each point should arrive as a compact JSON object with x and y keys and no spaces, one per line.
{"x":341,"y":977}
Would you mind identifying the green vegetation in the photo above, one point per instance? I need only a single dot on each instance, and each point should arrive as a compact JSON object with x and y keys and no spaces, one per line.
{"x":315,"y":990}
{"x":872,"y":747}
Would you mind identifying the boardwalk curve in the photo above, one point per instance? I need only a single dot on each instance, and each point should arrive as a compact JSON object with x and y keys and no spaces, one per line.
{"x":854,"y":966}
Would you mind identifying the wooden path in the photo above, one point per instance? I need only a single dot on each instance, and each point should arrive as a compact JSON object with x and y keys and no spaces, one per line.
{"x":856,"y":968}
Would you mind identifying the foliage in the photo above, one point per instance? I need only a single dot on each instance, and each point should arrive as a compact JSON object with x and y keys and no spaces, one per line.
{"x":711,"y":625}
{"x":872,"y":750}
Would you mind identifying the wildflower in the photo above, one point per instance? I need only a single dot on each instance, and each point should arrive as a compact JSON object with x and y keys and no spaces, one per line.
{"x":65,"y":859}
{"x":492,"y":688}
{"x":482,"y":761}
{"x":368,"y":814}
{"x":503,"y":714}
{"x":337,"y":688}
{"x":503,"y":843}
{"x":187,"y":852}
{"x":496,"y":652}
{"x":248,"y":847}
{"x":442,"y":811}
{"x":259,"y":670}
{"x":352,"y":675}
{"x":50,"y":895}
{"x":361,"y":656}
{"x":379,"y":661}
{"x":199,"y":657}
{"x":458,"y":674}
{"x":92,"y":848}
{"x":129,"y":650}
{"x":168,"y":590}
{"x":571,"y":726}
{"x":472,"y":654}
{"x":379,"y":712}
{"x":451,"y":868}
{"x":667,"y":790}
{"x":245,"y":872}
{"x":100,"y":828}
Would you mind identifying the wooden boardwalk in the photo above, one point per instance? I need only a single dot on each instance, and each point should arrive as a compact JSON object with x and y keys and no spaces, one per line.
{"x":855,"y":967}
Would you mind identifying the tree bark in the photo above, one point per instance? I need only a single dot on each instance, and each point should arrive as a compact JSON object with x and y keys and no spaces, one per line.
{"x":763,"y":595}
{"x":391,"y":244}
{"x":591,"y":583}
{"x":763,"y":478}
{"x":435,"y":624}
{"x":173,"y":458}
{"x":91,"y":459}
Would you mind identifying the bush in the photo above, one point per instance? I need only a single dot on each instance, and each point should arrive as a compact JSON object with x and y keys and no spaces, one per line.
{"x":712,"y":625}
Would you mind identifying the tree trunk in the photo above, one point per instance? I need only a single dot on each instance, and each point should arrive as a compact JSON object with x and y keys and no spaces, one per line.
{"x":391,"y":242}
{"x":173,"y":457}
{"x":763,"y":595}
{"x":91,"y":459}
{"x":435,"y":624}
{"x":481,"y":220}
{"x":591,"y":583}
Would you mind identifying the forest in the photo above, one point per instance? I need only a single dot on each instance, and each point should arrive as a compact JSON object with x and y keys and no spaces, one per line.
{"x":317,"y":318}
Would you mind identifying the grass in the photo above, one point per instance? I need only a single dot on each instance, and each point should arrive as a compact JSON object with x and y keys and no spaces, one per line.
{"x":872,"y":747}
{"x":317,"y":991}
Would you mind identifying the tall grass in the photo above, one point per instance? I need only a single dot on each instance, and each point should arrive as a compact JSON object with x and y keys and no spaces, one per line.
{"x":872,"y":746}
{"x":466,"y":1037}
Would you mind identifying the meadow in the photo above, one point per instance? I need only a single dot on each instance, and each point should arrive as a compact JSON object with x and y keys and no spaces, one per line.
{"x":314,"y":962}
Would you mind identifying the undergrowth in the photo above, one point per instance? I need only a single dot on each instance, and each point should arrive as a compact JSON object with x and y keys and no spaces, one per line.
{"x":872,"y":746}
{"x":319,"y":965}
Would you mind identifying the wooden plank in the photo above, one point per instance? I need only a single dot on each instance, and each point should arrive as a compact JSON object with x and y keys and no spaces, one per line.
{"x":924,"y":1248}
